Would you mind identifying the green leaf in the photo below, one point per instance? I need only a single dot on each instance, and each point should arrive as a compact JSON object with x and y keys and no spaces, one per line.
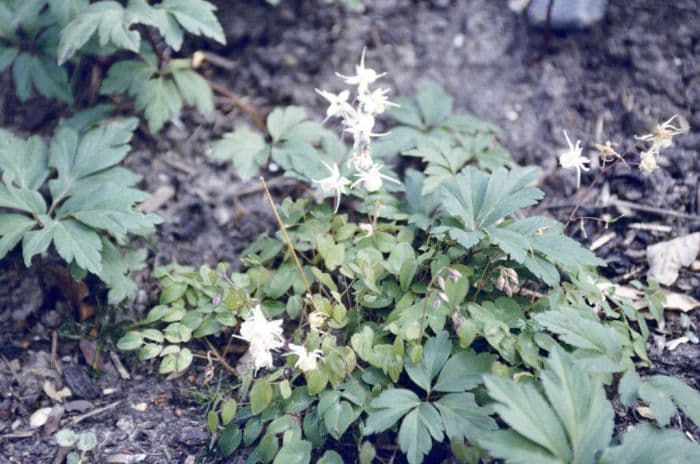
{"x":195,"y":90}
{"x":296,"y":452}
{"x":130,"y":341}
{"x":572,"y":424}
{"x":664,"y":393}
{"x":22,"y":76}
{"x":77,"y":242}
{"x":388,"y":408}
{"x":23,"y":163}
{"x":116,"y":268}
{"x":246,"y":149}
{"x":229,"y":439}
{"x":435,"y":354}
{"x":434,"y":104}
{"x":480,"y":200}
{"x":464,"y":371}
{"x":330,"y":457}
{"x":160,"y":101}
{"x":196,"y":17}
{"x":645,"y":444}
{"x":260,"y":395}
{"x":582,"y":329}
{"x":38,"y":241}
{"x":127,"y":76}
{"x":462,"y":417}
{"x":415,"y":432}
{"x":12,"y":230}
{"x":109,"y":19}
{"x":282,"y":120}
{"x":228,"y":411}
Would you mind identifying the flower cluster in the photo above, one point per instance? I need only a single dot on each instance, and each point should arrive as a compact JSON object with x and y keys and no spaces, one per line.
{"x":265,"y":336}
{"x":661,"y":138}
{"x":358,"y":117}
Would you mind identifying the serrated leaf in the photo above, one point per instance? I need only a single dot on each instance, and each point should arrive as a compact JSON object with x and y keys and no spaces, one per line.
{"x":12,"y":230}
{"x":282,"y":120}
{"x":435,"y":353}
{"x":127,"y":76}
{"x":77,"y":242}
{"x":416,"y":431}
{"x":587,"y":333}
{"x":462,"y":417}
{"x":645,"y":444}
{"x":388,"y":408}
{"x":434,"y":104}
{"x":38,"y":241}
{"x":195,"y":90}
{"x":246,"y":149}
{"x":116,"y":268}
{"x":663,"y":394}
{"x":160,"y":101}
{"x":195,"y":16}
{"x":464,"y":371}
{"x":110,"y":20}
{"x":480,"y":200}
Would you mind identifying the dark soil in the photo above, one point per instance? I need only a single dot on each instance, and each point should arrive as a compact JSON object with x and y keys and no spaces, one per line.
{"x":611,"y":82}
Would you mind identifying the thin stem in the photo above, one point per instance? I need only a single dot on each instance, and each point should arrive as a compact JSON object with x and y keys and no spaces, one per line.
{"x":290,"y":246}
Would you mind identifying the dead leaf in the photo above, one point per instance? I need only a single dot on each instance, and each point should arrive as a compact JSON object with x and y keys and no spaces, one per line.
{"x":92,"y":358}
{"x":666,"y":258}
{"x":39,"y":417}
{"x":56,"y":395}
{"x":679,"y":301}
{"x":645,"y":412}
{"x":676,"y":342}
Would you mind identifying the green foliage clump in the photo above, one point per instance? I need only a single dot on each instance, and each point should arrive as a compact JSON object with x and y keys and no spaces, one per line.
{"x":438,"y":315}
{"x":46,"y":44}
{"x":73,"y":194}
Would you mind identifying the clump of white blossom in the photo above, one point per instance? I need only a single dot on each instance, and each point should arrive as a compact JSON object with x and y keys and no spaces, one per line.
{"x":265,"y":336}
{"x":573,"y":159}
{"x":358,"y":117}
{"x":661,"y":138}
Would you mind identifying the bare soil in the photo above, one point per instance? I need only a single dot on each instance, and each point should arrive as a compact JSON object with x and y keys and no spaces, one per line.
{"x":618,"y":79}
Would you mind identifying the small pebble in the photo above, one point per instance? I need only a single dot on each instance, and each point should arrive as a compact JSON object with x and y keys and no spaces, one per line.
{"x":140,"y":407}
{"x":567,"y":14}
{"x":193,"y":436}
{"x":79,"y":406}
{"x":39,"y":417}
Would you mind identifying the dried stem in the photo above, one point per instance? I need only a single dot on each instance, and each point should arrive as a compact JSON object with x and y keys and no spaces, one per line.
{"x":220,"y":358}
{"x":293,"y":252}
{"x":240,"y":104}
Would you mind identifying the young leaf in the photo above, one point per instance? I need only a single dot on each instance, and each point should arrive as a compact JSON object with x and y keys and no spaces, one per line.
{"x":195,"y":90}
{"x":462,"y":417}
{"x":464,"y":371}
{"x":435,"y":354}
{"x":388,"y":408}
{"x":160,"y":101}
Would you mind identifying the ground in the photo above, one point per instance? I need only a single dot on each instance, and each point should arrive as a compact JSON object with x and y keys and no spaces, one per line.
{"x":611,"y":82}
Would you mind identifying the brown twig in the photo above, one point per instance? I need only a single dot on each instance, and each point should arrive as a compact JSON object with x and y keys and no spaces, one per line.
{"x":220,"y":358}
{"x":95,"y":412}
{"x":236,"y":101}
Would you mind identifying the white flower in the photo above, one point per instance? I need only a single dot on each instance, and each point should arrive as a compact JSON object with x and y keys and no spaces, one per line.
{"x":371,"y":179}
{"x":360,"y":125}
{"x":334,"y":183}
{"x":662,"y":137}
{"x":307,"y":360}
{"x":262,"y":335}
{"x":338,"y":103}
{"x":648,"y":164}
{"x":363,"y":76}
{"x":572,"y":159}
{"x":375,"y":102}
{"x":317,"y":320}
{"x":360,"y":160}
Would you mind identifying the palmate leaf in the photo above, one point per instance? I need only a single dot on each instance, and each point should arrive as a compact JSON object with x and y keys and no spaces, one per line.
{"x":463,"y":418}
{"x":195,"y":16}
{"x":23,"y":163}
{"x":582,"y":329}
{"x":160,"y":101}
{"x":109,"y":19}
{"x":77,"y":158}
{"x":525,"y":239}
{"x":246,"y":149}
{"x":116,"y":267}
{"x":416,"y":431}
{"x":571,"y":423}
{"x":645,"y":444}
{"x":41,"y":73}
{"x":12,"y":229}
{"x":663,"y":394}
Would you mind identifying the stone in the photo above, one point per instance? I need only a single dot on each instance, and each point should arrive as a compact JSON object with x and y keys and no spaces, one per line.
{"x":567,"y":14}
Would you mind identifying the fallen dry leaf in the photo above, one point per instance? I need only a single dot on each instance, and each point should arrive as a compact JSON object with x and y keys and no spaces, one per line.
{"x":679,"y":301}
{"x":56,"y":395}
{"x":645,"y":412}
{"x":39,"y":417}
{"x":666,"y":258}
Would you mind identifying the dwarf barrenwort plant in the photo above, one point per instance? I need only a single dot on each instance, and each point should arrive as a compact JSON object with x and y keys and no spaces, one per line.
{"x":415,"y":316}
